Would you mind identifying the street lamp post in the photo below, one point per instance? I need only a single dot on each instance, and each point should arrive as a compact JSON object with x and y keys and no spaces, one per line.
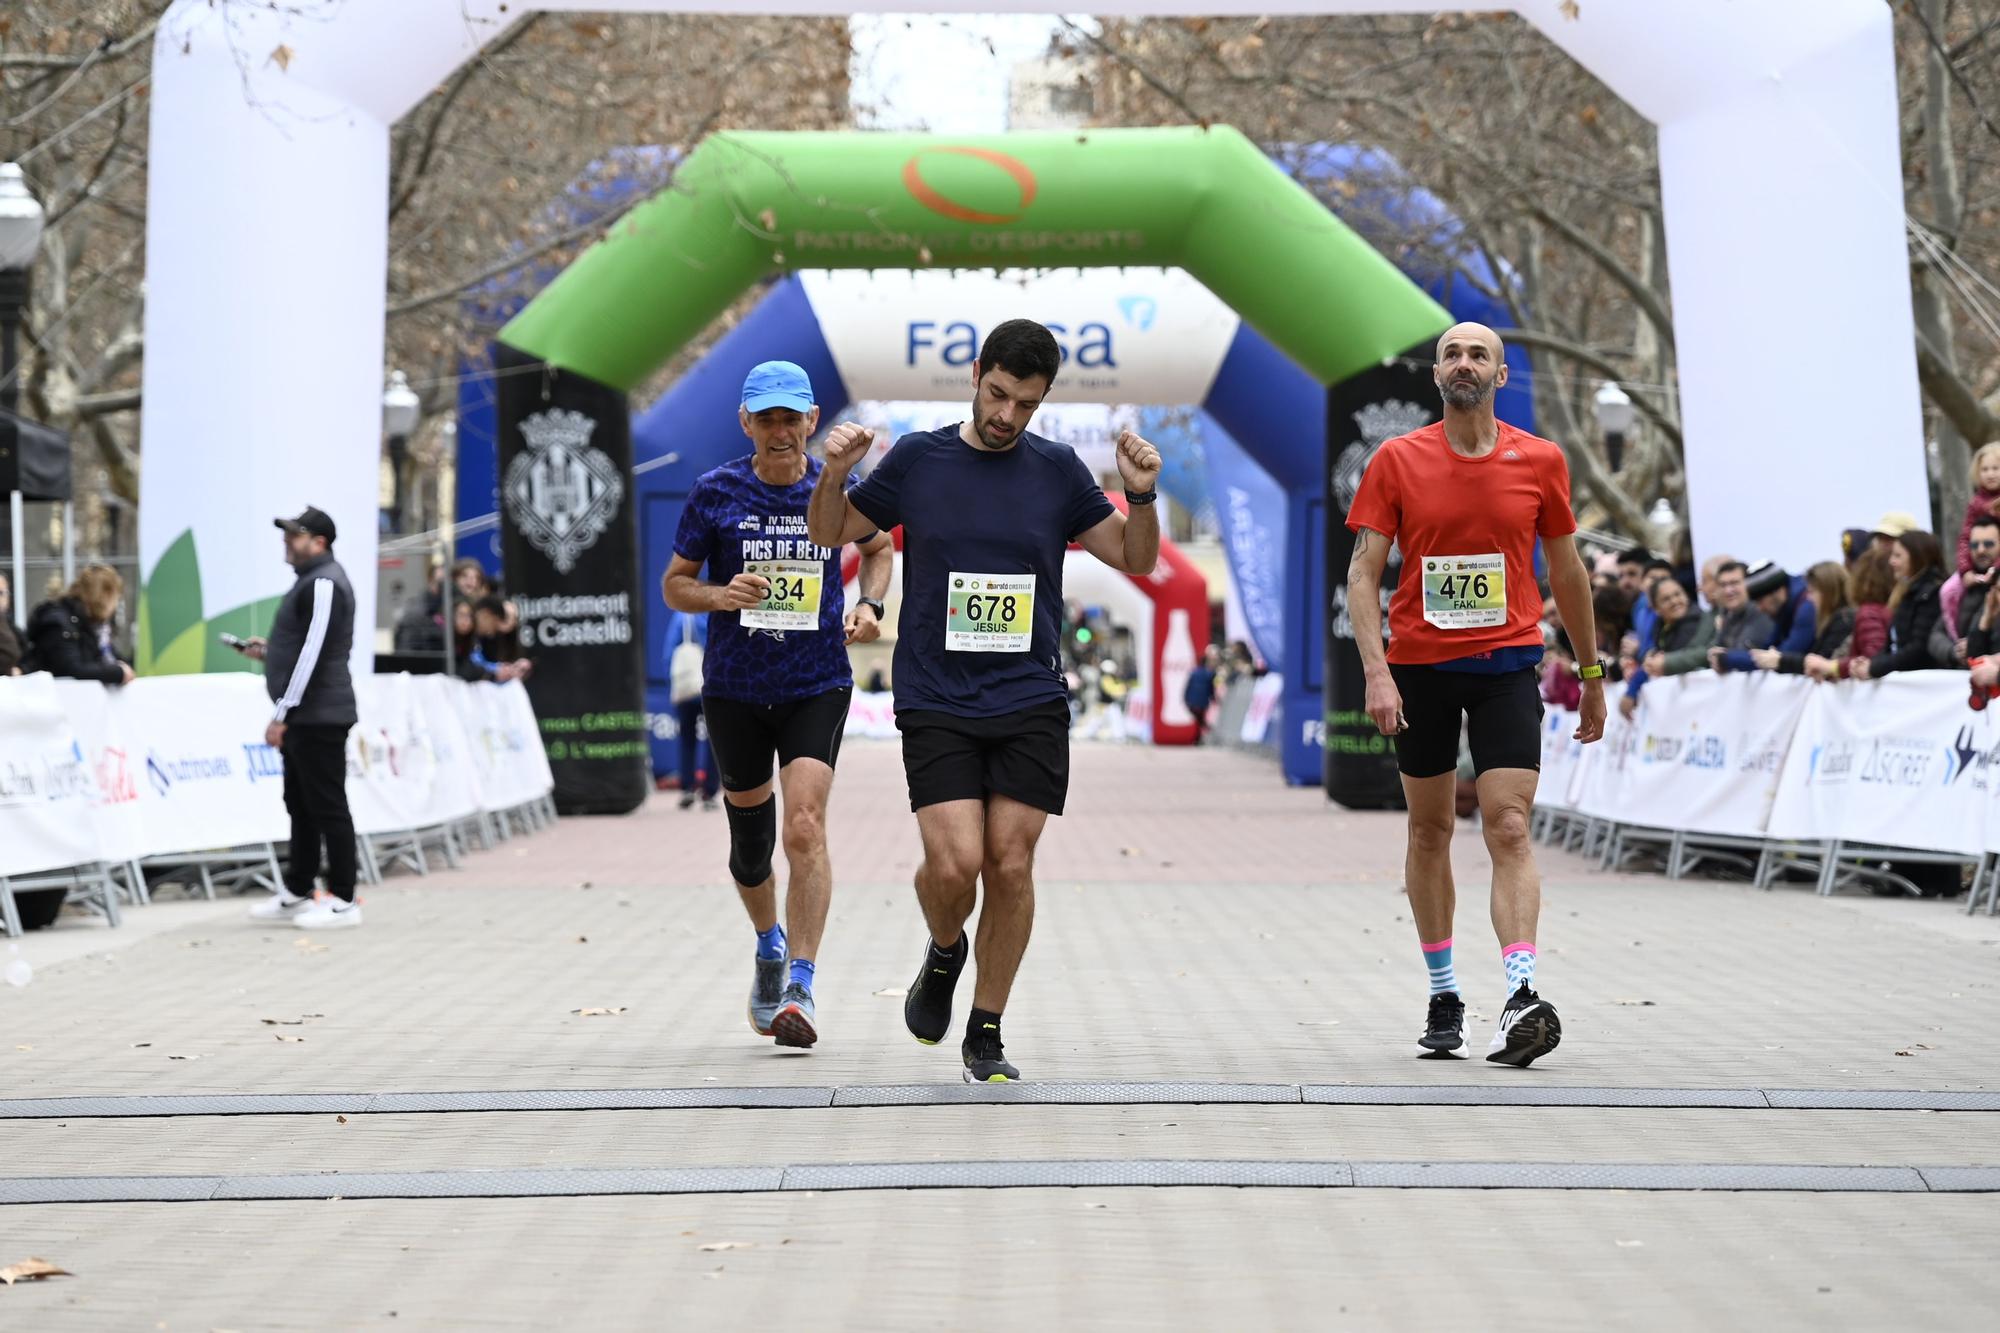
{"x":20,"y":238}
{"x":400,"y":409}
{"x":1614,"y":417}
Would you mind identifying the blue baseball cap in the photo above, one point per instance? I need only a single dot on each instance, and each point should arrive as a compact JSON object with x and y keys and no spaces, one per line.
{"x":777,"y":384}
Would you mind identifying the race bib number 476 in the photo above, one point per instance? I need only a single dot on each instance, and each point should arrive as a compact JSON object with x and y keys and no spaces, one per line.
{"x":989,"y":613}
{"x":1465,"y":591}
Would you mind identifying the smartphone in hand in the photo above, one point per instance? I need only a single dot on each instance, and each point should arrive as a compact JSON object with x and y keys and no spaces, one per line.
{"x":238,"y":644}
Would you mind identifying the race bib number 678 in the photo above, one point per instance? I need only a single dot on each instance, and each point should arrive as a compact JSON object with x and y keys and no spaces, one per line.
{"x":989,"y":613}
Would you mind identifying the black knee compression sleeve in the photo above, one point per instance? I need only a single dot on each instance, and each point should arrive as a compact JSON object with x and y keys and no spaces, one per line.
{"x":753,"y":836}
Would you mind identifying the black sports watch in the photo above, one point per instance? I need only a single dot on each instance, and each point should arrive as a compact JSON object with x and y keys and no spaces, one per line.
{"x":881,"y":611}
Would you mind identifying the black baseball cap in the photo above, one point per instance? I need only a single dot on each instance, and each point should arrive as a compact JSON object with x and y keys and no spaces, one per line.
{"x":314,"y":521}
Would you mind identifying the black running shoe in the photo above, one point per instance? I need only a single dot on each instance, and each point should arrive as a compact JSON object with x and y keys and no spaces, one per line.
{"x":1529,"y":1030}
{"x":1444,"y":1030}
{"x":985,"y":1059}
{"x":927,"y":1008}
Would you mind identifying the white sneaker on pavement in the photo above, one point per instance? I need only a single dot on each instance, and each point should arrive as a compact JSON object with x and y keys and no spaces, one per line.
{"x":329,"y":914}
{"x":280,"y":909}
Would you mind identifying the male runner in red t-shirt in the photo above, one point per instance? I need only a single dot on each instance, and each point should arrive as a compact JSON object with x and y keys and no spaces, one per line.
{"x":1466,"y":499}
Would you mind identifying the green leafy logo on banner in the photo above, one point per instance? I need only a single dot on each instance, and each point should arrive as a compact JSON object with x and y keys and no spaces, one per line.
{"x":175,"y":637}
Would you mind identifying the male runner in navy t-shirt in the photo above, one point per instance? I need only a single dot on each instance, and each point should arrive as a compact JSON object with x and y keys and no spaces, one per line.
{"x":988,"y":511}
{"x":775,"y":679}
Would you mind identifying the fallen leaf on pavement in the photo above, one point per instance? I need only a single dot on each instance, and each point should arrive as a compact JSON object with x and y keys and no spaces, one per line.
{"x":283,"y":1036}
{"x":1323,"y":1023}
{"x":716,"y":1246}
{"x":281,"y":1022}
{"x":1640,"y":1004}
{"x":310,"y":946}
{"x":31,"y":1269}
{"x":343,"y":1120}
{"x":893,"y":993}
{"x":141,"y":1045}
{"x":600,"y":1012}
{"x":24,"y":1048}
{"x":1906,"y":1053}
{"x":183,"y":1057}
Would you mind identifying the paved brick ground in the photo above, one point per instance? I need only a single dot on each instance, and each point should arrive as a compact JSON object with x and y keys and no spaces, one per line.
{"x":1198,"y":921}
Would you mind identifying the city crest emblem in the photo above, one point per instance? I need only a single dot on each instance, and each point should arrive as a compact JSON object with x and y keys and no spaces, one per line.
{"x":560,"y":491}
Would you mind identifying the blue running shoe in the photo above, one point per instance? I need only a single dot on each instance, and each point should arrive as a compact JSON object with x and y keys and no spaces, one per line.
{"x":767,"y":992}
{"x":793,"y":1025}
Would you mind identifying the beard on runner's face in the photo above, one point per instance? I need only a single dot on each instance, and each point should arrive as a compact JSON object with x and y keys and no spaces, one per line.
{"x":1465,"y":387}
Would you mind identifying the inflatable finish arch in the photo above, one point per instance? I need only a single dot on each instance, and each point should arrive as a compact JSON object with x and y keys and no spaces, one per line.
{"x":267,"y":239}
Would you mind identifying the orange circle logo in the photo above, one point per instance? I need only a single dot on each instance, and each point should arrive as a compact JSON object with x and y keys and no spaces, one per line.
{"x":926,"y":194}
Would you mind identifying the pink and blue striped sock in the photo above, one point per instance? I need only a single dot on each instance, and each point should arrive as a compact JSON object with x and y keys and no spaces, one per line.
{"x":1519,"y":959}
{"x":1437,"y":957}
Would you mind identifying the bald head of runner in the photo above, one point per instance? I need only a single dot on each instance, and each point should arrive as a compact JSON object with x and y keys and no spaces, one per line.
{"x":1470,"y":367}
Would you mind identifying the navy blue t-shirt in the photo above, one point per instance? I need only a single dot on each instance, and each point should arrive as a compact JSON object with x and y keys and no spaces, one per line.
{"x":980,"y":531}
{"x":734,"y":518}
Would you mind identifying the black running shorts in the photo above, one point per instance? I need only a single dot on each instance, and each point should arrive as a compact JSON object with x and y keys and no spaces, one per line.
{"x":1022,"y":755}
{"x":1502,"y":714}
{"x":744,"y":736}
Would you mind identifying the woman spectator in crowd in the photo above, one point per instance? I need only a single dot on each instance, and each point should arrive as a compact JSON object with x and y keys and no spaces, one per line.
{"x":468,"y":580}
{"x":11,"y":647}
{"x":1680,"y":640}
{"x":70,"y":635}
{"x":464,"y":636}
{"x":1917,"y":561}
{"x":1833,"y":621}
{"x":1985,"y":496}
{"x":1872,"y":583}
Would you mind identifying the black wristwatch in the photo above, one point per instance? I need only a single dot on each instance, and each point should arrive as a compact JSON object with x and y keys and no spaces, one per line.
{"x":1142,"y":497}
{"x":881,"y":611}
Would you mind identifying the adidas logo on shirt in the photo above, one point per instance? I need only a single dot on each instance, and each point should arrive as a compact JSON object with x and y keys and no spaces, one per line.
{"x":1511,"y":453}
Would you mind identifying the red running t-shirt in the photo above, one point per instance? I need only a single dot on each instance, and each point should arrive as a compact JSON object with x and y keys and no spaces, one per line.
{"x":1467,"y":528}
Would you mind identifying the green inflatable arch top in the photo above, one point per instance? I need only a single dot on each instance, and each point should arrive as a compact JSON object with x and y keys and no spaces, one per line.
{"x":743,"y":206}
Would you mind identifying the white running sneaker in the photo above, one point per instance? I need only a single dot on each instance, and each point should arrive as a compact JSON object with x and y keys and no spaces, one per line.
{"x":329,"y":914}
{"x":280,"y":909}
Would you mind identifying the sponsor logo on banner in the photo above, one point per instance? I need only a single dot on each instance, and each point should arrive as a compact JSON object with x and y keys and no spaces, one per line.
{"x":116,"y":784}
{"x":561,"y":491}
{"x":47,"y":780}
{"x":168,"y":773}
{"x":263,"y":762}
{"x":1901,"y":761}
{"x":935,"y":200}
{"x":1137,"y":336}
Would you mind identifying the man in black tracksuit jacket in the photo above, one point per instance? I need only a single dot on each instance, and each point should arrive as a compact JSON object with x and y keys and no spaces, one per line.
{"x":306,"y":674}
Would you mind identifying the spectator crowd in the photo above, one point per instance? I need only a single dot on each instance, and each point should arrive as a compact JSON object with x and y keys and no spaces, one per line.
{"x":1899,"y":599}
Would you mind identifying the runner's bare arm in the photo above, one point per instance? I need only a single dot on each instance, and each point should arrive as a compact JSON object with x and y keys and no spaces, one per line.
{"x":1570,"y":582}
{"x":1364,"y":610}
{"x":682,"y":589}
{"x":1130,"y":542}
{"x":830,"y":519}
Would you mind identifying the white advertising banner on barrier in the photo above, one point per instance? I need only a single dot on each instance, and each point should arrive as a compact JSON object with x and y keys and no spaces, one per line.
{"x":208,"y":780}
{"x":505,"y":744}
{"x":1128,"y":335}
{"x":456,"y":795}
{"x":1703,"y":753}
{"x":391,"y":766}
{"x":1900,"y":761}
{"x":45,"y":783}
{"x":117,"y":774}
{"x":1561,"y":755}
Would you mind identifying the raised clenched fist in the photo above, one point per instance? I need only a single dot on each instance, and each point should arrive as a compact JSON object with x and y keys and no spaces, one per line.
{"x":1138,"y":462}
{"x":847,"y":444}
